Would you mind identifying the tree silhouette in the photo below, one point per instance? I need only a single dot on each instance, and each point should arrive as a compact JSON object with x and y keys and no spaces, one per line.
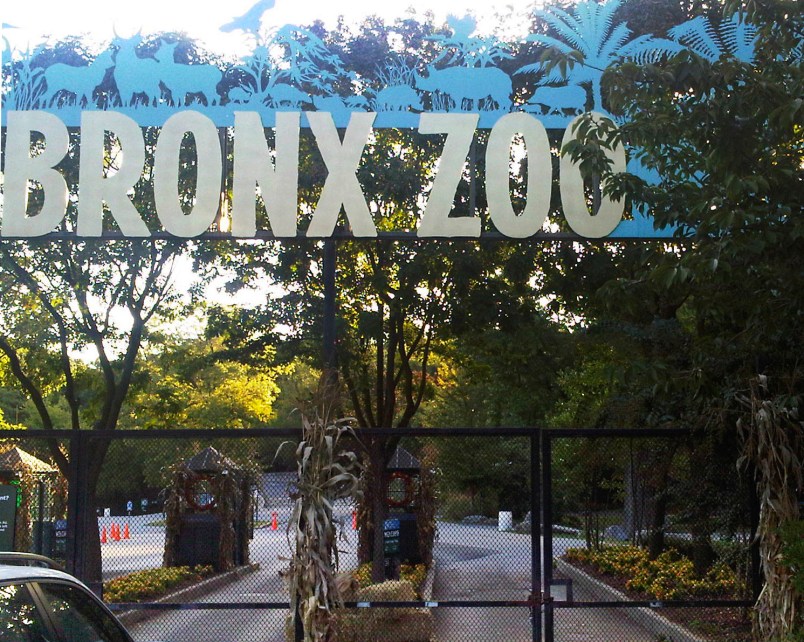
{"x":590,"y":41}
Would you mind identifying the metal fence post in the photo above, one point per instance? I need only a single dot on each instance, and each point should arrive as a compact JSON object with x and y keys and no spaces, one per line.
{"x":76,"y":505}
{"x":547,"y":537}
{"x":535,"y":533}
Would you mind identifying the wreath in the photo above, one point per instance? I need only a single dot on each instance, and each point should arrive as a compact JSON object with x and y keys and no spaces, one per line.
{"x":407,"y":496}
{"x":194,"y":488}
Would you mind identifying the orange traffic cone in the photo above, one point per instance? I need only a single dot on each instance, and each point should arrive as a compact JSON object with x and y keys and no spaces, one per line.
{"x":354,"y":520}
{"x":115,"y":532}
{"x":126,"y":532}
{"x":274,"y":521}
{"x":103,"y":535}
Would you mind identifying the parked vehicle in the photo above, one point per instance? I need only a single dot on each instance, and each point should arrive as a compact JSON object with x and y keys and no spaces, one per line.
{"x":39,"y":602}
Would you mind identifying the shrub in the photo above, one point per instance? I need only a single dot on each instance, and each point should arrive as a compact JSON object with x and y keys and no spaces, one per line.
{"x":152,"y":582}
{"x":670,"y":576}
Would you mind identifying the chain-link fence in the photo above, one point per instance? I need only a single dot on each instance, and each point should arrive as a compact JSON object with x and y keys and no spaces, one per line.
{"x":641,"y":543}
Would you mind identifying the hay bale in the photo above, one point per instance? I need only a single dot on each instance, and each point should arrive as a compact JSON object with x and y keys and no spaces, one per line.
{"x":393,"y":625}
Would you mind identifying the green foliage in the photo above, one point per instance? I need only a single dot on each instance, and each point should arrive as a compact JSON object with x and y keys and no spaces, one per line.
{"x":723,"y":140}
{"x":483,"y":475}
{"x":192,"y":384}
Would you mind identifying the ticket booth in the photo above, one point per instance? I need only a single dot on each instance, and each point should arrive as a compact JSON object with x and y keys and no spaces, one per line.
{"x":208,"y":513}
{"x":403,"y":497}
{"x":29,"y":503}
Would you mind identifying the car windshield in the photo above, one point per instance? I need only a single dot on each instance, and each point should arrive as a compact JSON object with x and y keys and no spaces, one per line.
{"x":19,"y":620}
{"x":78,"y":616}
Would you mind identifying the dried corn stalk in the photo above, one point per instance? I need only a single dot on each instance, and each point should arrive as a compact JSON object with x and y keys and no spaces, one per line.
{"x":326,"y":473}
{"x":774,"y":446}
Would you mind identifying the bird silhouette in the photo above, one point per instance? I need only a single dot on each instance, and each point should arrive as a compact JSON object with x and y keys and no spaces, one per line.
{"x":250,"y":20}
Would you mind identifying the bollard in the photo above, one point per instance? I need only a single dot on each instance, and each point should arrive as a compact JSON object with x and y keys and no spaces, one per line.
{"x":274,"y":521}
{"x":103,"y":535}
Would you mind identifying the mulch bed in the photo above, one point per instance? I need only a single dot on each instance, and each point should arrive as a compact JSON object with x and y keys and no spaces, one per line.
{"x":729,"y":624}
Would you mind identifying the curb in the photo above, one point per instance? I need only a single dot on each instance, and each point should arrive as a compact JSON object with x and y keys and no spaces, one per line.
{"x":645,"y":617}
{"x":429,"y":580}
{"x":189,"y":593}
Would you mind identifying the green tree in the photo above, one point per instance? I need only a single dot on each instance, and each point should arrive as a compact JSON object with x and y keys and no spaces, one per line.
{"x":62,"y":298}
{"x":724,"y":137}
{"x":68,"y":297}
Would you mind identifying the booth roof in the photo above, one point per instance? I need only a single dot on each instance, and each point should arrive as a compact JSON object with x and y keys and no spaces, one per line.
{"x":403,"y":460}
{"x":210,"y":460}
{"x":17,"y":459}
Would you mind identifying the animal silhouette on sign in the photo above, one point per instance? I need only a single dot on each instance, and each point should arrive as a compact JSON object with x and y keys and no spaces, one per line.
{"x":557,"y":100}
{"x":184,"y":81}
{"x":465,"y":87}
{"x":284,"y":95}
{"x":137,"y":79}
{"x":250,"y":21}
{"x":241,"y":95}
{"x":397,"y":98}
{"x":62,"y":81}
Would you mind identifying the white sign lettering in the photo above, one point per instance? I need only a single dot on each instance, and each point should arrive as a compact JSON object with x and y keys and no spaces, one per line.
{"x":37,"y":142}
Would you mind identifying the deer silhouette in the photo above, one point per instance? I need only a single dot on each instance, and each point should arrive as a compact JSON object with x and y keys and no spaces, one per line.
{"x":284,"y":95}
{"x":184,"y":81}
{"x":80,"y":82}
{"x":134,"y":76}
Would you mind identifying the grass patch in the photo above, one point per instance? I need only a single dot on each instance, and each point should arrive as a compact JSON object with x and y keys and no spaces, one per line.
{"x":158,"y":522}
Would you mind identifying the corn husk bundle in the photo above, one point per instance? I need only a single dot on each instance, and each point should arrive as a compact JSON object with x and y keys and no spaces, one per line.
{"x":326,"y":473}
{"x":774,"y":446}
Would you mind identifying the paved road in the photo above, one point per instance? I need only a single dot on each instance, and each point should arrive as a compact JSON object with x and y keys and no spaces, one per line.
{"x":473,"y":563}
{"x":480,"y":563}
{"x":269,"y":549}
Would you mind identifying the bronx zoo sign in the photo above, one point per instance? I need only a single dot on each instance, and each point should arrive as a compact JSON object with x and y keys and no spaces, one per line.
{"x":276,"y":172}
{"x":292,"y":81}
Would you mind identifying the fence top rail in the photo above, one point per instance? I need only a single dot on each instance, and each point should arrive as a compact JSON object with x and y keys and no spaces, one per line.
{"x":223,"y":433}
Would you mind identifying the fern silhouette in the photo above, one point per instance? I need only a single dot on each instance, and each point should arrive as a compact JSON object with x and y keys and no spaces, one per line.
{"x":735,"y":37}
{"x":590,"y":35}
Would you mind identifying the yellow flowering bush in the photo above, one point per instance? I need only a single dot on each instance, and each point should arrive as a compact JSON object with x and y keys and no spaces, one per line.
{"x":413,"y":573}
{"x":670,"y":576}
{"x":152,"y":582}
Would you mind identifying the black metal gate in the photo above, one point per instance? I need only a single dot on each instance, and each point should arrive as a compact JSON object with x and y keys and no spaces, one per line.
{"x":498,"y":572}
